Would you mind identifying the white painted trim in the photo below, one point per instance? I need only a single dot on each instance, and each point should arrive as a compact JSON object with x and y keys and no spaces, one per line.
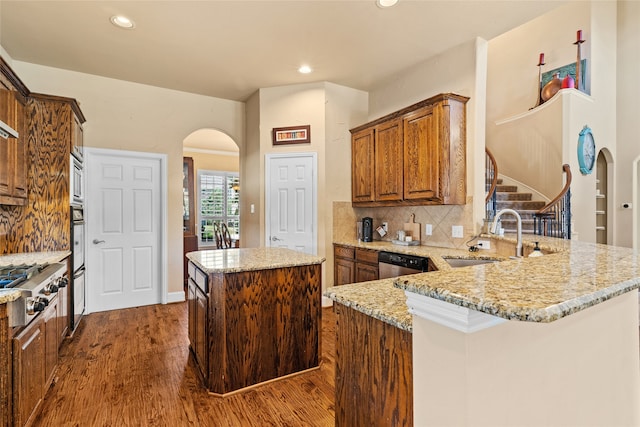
{"x":635,"y":199}
{"x":314,"y":209}
{"x":175,"y":297}
{"x":560,"y":94}
{"x":450,"y":315}
{"x":164,"y":267}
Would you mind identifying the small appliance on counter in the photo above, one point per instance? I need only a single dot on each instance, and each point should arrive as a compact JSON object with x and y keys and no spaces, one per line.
{"x":367,"y":229}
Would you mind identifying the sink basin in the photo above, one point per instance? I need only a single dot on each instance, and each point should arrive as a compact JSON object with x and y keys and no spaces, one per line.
{"x":456,"y":262}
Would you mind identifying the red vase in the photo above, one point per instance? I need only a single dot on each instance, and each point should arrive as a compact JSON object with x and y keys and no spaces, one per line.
{"x":568,"y":82}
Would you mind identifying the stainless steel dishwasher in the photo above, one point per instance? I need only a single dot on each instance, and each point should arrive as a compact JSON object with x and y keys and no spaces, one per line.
{"x":393,"y":265}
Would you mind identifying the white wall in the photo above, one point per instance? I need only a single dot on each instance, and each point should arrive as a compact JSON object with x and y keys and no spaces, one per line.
{"x":512,"y":89}
{"x":331,"y":110}
{"x":628,"y":111}
{"x":129,"y":116}
{"x":460,"y":70}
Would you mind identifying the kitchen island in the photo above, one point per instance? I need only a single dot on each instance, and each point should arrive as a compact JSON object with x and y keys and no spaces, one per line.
{"x":530,"y":341}
{"x":254,"y":315}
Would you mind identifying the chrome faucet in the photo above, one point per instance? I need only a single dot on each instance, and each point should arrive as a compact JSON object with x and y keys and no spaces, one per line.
{"x":519,"y":227}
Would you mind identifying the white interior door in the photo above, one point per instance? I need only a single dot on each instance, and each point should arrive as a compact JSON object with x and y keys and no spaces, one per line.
{"x":123,"y":217}
{"x":291,"y":201}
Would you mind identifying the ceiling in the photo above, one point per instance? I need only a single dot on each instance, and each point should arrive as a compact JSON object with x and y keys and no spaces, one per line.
{"x":230,"y":49}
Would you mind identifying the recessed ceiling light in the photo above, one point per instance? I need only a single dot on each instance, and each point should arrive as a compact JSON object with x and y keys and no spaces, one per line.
{"x":304,"y":69}
{"x":122,"y":22}
{"x":386,"y":3}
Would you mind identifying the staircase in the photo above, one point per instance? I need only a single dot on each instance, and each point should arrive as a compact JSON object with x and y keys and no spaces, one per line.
{"x":508,"y":197}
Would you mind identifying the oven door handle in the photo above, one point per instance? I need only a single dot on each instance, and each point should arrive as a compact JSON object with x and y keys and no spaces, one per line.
{"x":79,"y":272}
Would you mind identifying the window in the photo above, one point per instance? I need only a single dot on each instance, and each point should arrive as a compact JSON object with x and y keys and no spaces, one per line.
{"x":219,"y":202}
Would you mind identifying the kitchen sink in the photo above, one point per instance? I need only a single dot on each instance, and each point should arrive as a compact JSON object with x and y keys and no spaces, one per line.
{"x":457,"y":262}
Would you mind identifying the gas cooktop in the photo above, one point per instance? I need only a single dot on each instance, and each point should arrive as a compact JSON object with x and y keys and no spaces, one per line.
{"x":13,"y":275}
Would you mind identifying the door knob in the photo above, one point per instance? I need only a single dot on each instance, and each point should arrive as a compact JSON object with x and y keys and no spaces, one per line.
{"x":274,"y":239}
{"x":96,"y":241}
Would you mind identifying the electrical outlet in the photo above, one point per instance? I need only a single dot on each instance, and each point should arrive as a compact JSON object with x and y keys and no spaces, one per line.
{"x":428,"y":229}
{"x":385,"y":225}
{"x":457,"y":231}
{"x":484,"y":244}
{"x":253,"y":208}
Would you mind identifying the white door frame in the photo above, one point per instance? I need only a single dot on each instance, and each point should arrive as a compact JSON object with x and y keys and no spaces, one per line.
{"x":635,"y":199}
{"x":88,"y":151}
{"x":267,"y":191}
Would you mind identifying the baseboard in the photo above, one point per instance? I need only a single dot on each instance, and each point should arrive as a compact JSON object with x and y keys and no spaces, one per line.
{"x":175,"y":297}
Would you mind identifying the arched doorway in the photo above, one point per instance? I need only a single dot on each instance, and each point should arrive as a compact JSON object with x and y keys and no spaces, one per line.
{"x":214,"y":155}
{"x":604,"y":199}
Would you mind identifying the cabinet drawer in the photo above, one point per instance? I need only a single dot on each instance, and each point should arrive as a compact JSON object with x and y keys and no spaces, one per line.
{"x":366,"y":255}
{"x":199,"y":277}
{"x":343,"y":252}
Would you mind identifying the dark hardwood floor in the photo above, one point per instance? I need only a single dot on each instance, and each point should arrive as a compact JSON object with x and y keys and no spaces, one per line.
{"x":132,"y":368}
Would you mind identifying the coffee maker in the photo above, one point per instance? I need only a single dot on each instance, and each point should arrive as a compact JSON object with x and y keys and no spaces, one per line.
{"x":367,"y":229}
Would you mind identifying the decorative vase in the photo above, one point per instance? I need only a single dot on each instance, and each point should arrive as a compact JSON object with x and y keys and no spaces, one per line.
{"x":568,"y":82}
{"x":551,"y":88}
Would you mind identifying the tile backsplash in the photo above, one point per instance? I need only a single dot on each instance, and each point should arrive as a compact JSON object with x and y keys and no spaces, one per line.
{"x":441,"y":218}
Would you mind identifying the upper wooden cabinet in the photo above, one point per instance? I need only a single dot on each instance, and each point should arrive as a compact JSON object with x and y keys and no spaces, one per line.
{"x":13,"y":151}
{"x":415,"y":156}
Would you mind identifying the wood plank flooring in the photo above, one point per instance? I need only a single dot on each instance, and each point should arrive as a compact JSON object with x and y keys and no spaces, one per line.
{"x":132,"y":368}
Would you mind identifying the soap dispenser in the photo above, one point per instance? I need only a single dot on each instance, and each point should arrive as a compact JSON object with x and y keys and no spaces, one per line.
{"x":536,"y":252}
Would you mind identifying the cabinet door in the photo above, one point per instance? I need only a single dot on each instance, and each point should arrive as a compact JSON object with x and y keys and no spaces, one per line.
{"x":388,"y":161}
{"x":362,"y":161}
{"x":77,"y":138}
{"x":51,"y":341}
{"x":421,"y":155}
{"x":63,"y":314}
{"x":20,"y":147}
{"x":201,"y":318}
{"x":366,"y":272}
{"x":343,"y":272}
{"x":28,"y":372}
{"x":191,"y":306}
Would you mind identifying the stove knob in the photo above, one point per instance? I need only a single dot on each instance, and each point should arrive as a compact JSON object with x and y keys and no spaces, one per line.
{"x":43,"y":300}
{"x":34,"y":306}
{"x":63,"y":282}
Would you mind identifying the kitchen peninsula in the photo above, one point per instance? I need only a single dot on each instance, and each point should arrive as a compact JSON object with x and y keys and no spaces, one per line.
{"x":551,"y":340}
{"x":254,"y":315}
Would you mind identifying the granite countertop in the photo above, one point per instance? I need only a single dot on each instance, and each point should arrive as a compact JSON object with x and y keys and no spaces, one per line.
{"x":577,"y":275}
{"x":251,"y":259}
{"x":8,"y":295}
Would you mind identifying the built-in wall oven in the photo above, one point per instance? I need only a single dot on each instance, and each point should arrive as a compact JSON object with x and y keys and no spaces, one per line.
{"x":78,"y":287}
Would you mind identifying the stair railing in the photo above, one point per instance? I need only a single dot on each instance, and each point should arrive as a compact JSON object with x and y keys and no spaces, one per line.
{"x":490,"y":185}
{"x":554,"y":219}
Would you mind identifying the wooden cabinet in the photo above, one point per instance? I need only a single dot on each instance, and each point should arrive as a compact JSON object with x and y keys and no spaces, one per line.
{"x":353,"y":265}
{"x":63,"y":314}
{"x":366,"y":265}
{"x":388,"y":161}
{"x":51,"y":340}
{"x":198,"y":303}
{"x":77,"y":137}
{"x":28,"y":372}
{"x":344,"y":265}
{"x":415,"y":156}
{"x":373,"y":371}
{"x":250,"y":327}
{"x":13,"y":151}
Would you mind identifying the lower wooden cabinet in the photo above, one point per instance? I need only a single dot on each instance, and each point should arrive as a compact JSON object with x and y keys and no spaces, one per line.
{"x":353,"y":265}
{"x":51,"y":340}
{"x":28,"y":371}
{"x":374,"y":363}
{"x":198,"y":303}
